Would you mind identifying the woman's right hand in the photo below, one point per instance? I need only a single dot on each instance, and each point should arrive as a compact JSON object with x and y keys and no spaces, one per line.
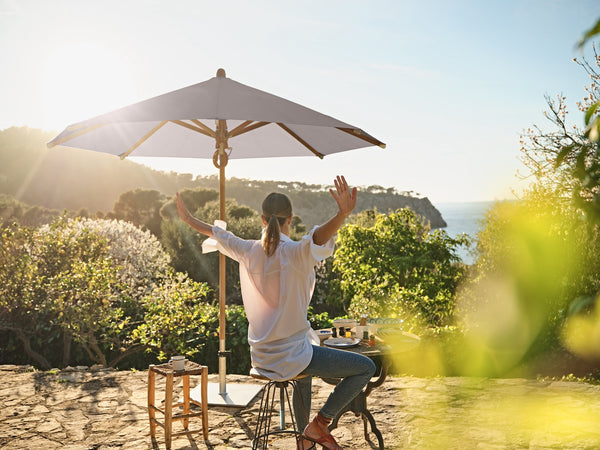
{"x":344,"y":197}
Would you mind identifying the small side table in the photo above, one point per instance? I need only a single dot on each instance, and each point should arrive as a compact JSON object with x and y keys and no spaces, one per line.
{"x":167,"y":371}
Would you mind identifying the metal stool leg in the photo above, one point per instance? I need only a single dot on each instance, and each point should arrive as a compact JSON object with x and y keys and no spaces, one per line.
{"x":265,"y":413}
{"x":282,"y":394}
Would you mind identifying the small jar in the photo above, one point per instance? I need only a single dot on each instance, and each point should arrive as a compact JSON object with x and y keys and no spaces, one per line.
{"x":348,"y":333}
{"x":372,"y":340}
{"x":334,"y":332}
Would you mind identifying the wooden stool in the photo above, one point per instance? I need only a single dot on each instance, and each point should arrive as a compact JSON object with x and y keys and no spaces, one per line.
{"x":167,"y":371}
{"x":263,"y":422}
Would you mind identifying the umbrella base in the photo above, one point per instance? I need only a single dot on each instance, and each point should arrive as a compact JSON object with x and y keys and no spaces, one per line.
{"x":237,"y":394}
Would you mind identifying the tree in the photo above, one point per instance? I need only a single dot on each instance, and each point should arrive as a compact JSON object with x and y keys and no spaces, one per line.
{"x":573,"y":155}
{"x":592,"y":119}
{"x":141,"y":207}
{"x":179,"y":321}
{"x":58,"y":281}
{"x":23,"y":313}
{"x":81,"y":281}
{"x":537,"y":256}
{"x":397,"y":268}
{"x":141,"y":265}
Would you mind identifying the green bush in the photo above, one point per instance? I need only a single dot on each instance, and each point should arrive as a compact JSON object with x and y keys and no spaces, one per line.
{"x":535,"y":256}
{"x":397,"y":268}
{"x":71,"y":291}
{"x":178,"y":321}
{"x":58,"y":285}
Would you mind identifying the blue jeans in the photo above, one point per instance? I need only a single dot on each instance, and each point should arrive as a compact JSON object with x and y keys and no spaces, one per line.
{"x":355,"y":371}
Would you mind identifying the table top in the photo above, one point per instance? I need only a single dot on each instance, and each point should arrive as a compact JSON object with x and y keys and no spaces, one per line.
{"x":379,"y":349}
{"x":395,"y":344}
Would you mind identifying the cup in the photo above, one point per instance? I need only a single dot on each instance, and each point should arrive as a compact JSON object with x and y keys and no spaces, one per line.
{"x":178,"y":362}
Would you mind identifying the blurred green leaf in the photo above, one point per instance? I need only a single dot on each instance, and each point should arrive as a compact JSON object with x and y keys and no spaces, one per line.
{"x":593,"y":31}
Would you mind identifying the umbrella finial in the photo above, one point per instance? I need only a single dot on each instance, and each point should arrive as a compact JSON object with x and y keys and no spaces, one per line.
{"x":221,"y":72}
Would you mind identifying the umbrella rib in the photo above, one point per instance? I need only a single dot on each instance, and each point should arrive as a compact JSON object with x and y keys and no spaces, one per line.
{"x":359,"y":134}
{"x":203,"y":129}
{"x":299,"y":139}
{"x":245,"y":127}
{"x":210,"y":131}
{"x":74,"y":135}
{"x":142,"y":140}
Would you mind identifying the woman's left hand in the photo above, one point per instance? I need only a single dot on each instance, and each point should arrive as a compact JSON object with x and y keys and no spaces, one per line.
{"x":182,"y":209}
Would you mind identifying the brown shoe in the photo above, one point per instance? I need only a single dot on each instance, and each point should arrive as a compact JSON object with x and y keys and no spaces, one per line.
{"x":304,"y":444}
{"x":319,"y":435}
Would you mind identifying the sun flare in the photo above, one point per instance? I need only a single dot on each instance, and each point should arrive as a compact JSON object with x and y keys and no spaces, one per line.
{"x":82,"y":80}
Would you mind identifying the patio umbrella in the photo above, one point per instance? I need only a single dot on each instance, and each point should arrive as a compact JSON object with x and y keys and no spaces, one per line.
{"x":219,"y":119}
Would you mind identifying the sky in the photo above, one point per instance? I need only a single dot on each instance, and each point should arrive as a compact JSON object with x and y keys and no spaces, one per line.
{"x":447,"y":85}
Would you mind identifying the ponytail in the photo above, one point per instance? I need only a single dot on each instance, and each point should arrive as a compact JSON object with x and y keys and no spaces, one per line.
{"x":277,"y":208}
{"x":272,"y":236}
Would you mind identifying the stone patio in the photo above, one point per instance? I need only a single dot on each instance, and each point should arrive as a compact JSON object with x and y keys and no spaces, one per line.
{"x":95,"y":408}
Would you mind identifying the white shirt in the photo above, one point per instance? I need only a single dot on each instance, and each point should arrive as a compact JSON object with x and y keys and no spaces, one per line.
{"x":276,"y":292}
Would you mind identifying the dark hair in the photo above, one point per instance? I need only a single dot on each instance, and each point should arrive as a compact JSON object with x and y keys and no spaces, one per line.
{"x":276,"y":209}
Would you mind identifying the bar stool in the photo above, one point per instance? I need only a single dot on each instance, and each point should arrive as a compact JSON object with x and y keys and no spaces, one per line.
{"x":167,"y":371}
{"x":263,"y":423}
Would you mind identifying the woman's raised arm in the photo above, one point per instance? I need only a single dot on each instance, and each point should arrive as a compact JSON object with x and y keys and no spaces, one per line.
{"x":196,"y":224}
{"x":346,"y":201}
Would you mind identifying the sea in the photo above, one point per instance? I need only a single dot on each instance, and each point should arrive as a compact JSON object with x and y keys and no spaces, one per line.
{"x":463,"y":217}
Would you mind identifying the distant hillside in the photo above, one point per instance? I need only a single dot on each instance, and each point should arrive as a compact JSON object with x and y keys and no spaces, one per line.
{"x":313,"y":203}
{"x":63,"y":178}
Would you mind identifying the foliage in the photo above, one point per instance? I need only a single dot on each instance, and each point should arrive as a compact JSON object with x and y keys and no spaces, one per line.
{"x":397,"y":268}
{"x":568,"y":158}
{"x":319,"y":320}
{"x":535,"y":256}
{"x":561,"y":291}
{"x":592,"y":119}
{"x":139,"y":255}
{"x":327,"y":296}
{"x":589,"y":34}
{"x":14,"y":211}
{"x":179,"y":321}
{"x":23,"y":311}
{"x":141,"y":207}
{"x":142,"y":264}
{"x":67,"y":280}
{"x":77,"y":280}
{"x":175,"y":317}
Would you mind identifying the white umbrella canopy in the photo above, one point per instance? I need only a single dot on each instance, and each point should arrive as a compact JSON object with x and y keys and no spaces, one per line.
{"x":237,"y":120}
{"x":182,"y":124}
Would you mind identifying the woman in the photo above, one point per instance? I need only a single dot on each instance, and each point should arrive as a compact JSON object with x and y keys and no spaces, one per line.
{"x":277,"y":280}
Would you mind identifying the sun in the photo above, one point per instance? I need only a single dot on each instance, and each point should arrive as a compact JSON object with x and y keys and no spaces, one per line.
{"x":82,"y":80}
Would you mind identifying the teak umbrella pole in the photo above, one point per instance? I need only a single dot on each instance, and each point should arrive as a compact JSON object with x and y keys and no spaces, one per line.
{"x":221,"y":144}
{"x":222,"y":283}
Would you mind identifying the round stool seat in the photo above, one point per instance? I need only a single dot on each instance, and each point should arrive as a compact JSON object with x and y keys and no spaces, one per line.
{"x":254,"y":374}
